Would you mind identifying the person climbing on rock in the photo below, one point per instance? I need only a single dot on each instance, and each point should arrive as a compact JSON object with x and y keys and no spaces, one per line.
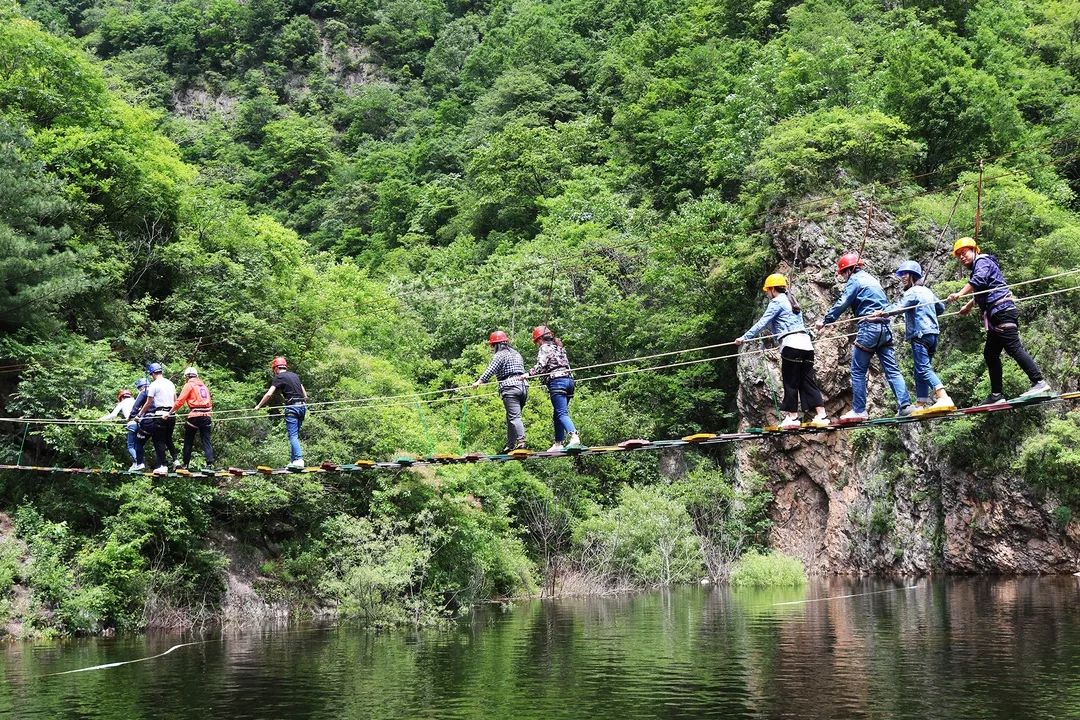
{"x":553,"y":368}
{"x":921,"y":307}
{"x":197,"y":397}
{"x":783,"y":318}
{"x":509,"y":369}
{"x":157,"y":418}
{"x":124,"y":402}
{"x":1000,"y":316}
{"x":864,"y":295}
{"x":294,"y":395}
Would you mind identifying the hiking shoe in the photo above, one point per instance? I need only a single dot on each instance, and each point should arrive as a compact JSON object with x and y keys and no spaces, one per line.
{"x":905,"y":411}
{"x":161,"y":470}
{"x":993,"y":399}
{"x":136,"y":467}
{"x":790,"y":423}
{"x":297,"y":464}
{"x":1040,"y":388}
{"x":852,"y":416}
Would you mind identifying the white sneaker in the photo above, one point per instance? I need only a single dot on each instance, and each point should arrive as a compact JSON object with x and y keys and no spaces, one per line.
{"x":555,"y":448}
{"x":852,"y":416}
{"x":790,"y":423}
{"x":161,"y":470}
{"x":297,"y":464}
{"x":1039,"y":388}
{"x":136,"y":467}
{"x":574,"y":440}
{"x":177,"y":462}
{"x":943,"y":402}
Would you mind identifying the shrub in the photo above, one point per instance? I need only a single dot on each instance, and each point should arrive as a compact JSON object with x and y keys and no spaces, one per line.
{"x":774,"y":569}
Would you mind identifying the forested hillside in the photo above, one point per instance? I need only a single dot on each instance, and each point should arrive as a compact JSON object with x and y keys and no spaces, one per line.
{"x":369,"y":189}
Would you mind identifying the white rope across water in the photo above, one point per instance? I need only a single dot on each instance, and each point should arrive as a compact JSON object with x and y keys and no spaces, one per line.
{"x":842,"y":597}
{"x":129,"y":662}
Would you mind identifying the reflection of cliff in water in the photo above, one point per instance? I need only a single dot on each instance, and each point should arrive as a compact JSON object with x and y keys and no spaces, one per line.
{"x":972,"y":648}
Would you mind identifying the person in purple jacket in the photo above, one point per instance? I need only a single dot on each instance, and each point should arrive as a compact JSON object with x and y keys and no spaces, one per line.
{"x":1000,"y":316}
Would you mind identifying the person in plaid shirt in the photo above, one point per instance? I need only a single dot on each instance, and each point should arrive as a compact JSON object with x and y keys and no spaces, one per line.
{"x":509,"y":369}
{"x":553,"y":368}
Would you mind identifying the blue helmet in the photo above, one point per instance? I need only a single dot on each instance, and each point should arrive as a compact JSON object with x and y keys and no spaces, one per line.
{"x":912,"y":267}
{"x":153,"y":368}
{"x":141,"y":383}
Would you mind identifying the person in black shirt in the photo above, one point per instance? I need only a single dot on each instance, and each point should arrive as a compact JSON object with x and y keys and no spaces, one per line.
{"x":295,"y":396}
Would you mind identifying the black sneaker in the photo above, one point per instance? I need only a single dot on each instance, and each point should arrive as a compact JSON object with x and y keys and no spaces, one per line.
{"x":993,"y":399}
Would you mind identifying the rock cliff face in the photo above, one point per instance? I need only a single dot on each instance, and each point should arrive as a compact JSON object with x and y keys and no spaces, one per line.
{"x":881,"y":500}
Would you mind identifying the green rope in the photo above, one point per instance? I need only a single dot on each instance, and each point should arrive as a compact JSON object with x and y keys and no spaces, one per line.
{"x":461,"y":426}
{"x":423,"y":423}
{"x":26,"y":427}
{"x":772,"y":385}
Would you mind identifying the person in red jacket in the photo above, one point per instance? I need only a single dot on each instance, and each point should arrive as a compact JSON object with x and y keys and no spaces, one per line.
{"x":197,"y":397}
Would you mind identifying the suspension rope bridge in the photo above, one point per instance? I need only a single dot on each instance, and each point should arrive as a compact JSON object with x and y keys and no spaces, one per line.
{"x":636,"y":444}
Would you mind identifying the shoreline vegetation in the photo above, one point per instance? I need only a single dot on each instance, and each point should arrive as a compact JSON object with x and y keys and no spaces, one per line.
{"x":370,"y":189}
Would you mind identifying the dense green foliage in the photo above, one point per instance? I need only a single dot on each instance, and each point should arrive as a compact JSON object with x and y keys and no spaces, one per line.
{"x":369,"y":189}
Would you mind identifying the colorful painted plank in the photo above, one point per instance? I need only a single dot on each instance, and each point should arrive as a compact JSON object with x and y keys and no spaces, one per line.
{"x":698,"y":437}
{"x":635,"y":444}
{"x":994,"y":407}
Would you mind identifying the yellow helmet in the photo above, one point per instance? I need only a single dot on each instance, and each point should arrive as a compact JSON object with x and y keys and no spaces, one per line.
{"x":964,"y":242}
{"x":775,"y":280}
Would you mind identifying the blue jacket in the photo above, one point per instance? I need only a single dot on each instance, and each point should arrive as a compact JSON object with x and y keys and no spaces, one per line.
{"x":779,"y":318}
{"x":921,"y":308}
{"x":862,"y":293}
{"x":140,"y":400}
{"x":986,"y":275}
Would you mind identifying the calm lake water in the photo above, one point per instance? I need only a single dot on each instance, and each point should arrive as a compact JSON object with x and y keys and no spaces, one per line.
{"x":970,"y":648}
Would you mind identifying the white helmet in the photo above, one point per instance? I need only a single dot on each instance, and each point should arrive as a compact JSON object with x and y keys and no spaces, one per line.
{"x":191,"y":372}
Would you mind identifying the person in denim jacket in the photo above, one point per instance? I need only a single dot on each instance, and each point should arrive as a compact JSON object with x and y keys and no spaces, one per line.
{"x":921,"y":307}
{"x":1001,"y":319}
{"x":553,"y":369}
{"x":783,"y":318}
{"x":863,"y":294}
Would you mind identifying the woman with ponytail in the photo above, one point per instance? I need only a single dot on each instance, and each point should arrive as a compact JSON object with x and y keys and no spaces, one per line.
{"x":783,"y":317}
{"x":553,"y":369}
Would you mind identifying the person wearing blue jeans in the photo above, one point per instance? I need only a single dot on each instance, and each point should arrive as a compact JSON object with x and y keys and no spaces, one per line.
{"x":553,"y":369}
{"x":921,"y":307}
{"x":294,"y":420}
{"x":864,"y":295}
{"x":295,"y":396}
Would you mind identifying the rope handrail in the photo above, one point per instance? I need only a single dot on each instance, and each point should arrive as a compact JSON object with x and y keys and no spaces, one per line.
{"x":408,"y":400}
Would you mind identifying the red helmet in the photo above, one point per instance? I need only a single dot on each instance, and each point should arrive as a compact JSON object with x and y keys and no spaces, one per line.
{"x":847,"y":261}
{"x":497,"y":337}
{"x":123,"y":394}
{"x":540,"y":331}
{"x":278,"y":362}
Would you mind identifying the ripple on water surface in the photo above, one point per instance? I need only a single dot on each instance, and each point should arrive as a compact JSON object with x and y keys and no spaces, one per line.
{"x":972,"y":648}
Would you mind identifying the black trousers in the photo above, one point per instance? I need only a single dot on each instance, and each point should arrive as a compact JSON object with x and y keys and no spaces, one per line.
{"x":797,"y":371}
{"x":162,"y":435}
{"x":200,"y":425}
{"x":1008,"y":339}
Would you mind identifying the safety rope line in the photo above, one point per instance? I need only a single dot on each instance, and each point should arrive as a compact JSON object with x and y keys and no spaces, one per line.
{"x":753,"y":433}
{"x":408,"y":398}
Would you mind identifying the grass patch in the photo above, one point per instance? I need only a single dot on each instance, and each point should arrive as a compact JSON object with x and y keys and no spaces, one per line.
{"x":774,"y":569}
